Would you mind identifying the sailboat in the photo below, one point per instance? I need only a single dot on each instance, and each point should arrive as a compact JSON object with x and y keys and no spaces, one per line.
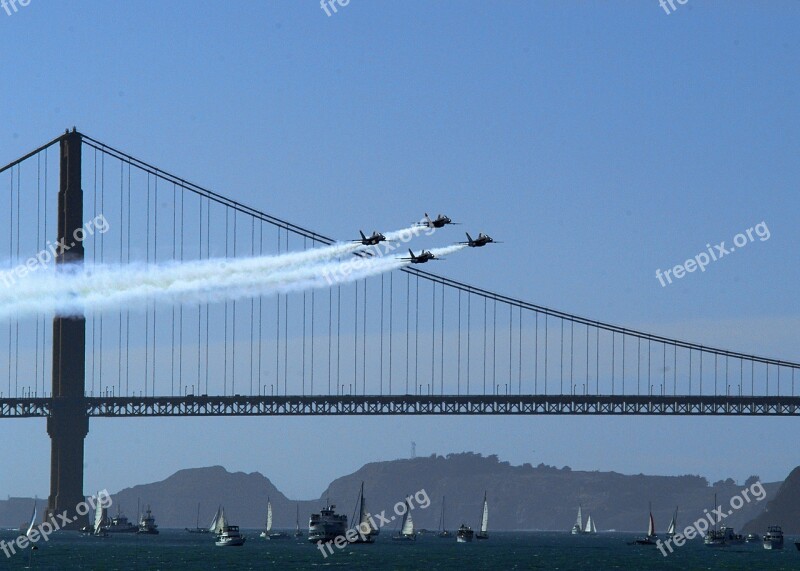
{"x":442,"y":531}
{"x":99,"y":519}
{"x":227,"y":535}
{"x":32,"y":524}
{"x":577,"y":529}
{"x":197,"y":528}
{"x":297,"y":531}
{"x":673,"y":523}
{"x":363,"y":520}
{"x":483,"y":532}
{"x":407,"y":527}
{"x":590,"y":527}
{"x":651,"y":537}
{"x":214,"y":527}
{"x":267,"y":532}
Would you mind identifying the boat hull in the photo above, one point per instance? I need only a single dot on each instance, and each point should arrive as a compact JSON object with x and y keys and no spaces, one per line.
{"x":230,"y":542}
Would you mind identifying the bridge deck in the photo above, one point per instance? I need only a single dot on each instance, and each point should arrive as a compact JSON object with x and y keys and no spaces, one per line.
{"x":412,"y":405}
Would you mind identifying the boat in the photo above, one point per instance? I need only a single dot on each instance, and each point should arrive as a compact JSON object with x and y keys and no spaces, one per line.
{"x":297,"y":531}
{"x":26,"y":529}
{"x":99,"y":528}
{"x":464,"y":534}
{"x":483,"y":532}
{"x":120,"y":524}
{"x":268,"y":533}
{"x":443,"y":533}
{"x":577,"y":529}
{"x":773,"y":539}
{"x":590,"y":528}
{"x":227,"y":535}
{"x":673,"y":524}
{"x":327,"y":525}
{"x":723,"y":537}
{"x":147,"y":524}
{"x":197,"y":528}
{"x":360,"y":514}
{"x":406,"y":527}
{"x":651,"y":537}
{"x":752,"y":538}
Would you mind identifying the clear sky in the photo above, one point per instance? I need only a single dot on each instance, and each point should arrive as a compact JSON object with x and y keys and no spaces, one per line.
{"x":599,"y":140}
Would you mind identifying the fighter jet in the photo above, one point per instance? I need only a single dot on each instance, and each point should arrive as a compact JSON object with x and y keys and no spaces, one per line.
{"x":373,"y":240}
{"x":481,"y":240}
{"x":439,"y":222}
{"x":423,"y":257}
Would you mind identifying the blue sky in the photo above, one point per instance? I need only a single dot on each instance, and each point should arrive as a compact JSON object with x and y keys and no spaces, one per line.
{"x":599,"y":140}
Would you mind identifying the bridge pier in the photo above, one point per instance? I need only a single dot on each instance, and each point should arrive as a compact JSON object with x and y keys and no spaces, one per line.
{"x":68,"y":423}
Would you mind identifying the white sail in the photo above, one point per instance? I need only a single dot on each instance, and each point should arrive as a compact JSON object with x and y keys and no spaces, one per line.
{"x":594,"y":529}
{"x":408,"y":523}
{"x":99,"y":516}
{"x":673,"y":523}
{"x":651,"y":526}
{"x":213,"y":527}
{"x":485,"y":516}
{"x":221,"y":522}
{"x":589,"y":523}
{"x":269,"y":516}
{"x":33,"y":522}
{"x":579,"y":522}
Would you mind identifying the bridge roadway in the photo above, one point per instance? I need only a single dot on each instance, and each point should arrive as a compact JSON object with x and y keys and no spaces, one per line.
{"x":705,"y":405}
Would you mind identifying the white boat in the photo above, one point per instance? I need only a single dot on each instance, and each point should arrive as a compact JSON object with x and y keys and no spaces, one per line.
{"x":268,"y":533}
{"x":651,"y":537}
{"x":577,"y":529}
{"x":147,"y":523}
{"x":673,"y":523}
{"x":327,"y":525}
{"x":99,"y":518}
{"x":407,"y":527}
{"x":32,"y":524}
{"x":483,"y":532}
{"x":590,"y":527}
{"x":227,"y":535}
{"x":773,"y":539}
{"x":363,"y":520}
{"x":464,"y":534}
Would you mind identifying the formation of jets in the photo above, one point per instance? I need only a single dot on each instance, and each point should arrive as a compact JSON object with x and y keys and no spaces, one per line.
{"x":426,"y":255}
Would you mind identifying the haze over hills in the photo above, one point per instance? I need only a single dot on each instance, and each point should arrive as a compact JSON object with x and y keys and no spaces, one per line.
{"x":520,"y":497}
{"x":783,"y":508}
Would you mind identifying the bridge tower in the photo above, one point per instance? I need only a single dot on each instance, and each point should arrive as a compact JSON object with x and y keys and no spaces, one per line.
{"x":68,"y":423}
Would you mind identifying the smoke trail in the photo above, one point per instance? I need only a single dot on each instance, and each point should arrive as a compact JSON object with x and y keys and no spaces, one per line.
{"x":104,"y":287}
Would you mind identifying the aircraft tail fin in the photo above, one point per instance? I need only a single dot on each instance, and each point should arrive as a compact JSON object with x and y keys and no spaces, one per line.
{"x":469,"y":237}
{"x":362,"y":234}
{"x":412,"y":253}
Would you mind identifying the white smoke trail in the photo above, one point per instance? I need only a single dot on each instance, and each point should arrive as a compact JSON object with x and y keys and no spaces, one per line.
{"x":106,"y":287}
